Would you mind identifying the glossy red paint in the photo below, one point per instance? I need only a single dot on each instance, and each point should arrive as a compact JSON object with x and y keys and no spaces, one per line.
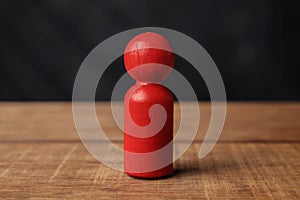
{"x":145,"y":93}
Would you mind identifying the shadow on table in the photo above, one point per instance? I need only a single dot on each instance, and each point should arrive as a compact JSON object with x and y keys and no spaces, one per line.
{"x":208,"y":165}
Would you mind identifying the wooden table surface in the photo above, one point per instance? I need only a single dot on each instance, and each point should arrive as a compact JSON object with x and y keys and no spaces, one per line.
{"x":257,"y":156}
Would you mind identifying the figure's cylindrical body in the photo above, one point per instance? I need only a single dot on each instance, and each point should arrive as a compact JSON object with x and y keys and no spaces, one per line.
{"x":138,"y":100}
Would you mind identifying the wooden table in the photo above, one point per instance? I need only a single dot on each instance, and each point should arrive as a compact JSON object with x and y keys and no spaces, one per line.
{"x":257,"y":156}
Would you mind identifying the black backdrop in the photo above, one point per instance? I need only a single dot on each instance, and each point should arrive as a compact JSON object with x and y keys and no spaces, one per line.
{"x":254,"y":44}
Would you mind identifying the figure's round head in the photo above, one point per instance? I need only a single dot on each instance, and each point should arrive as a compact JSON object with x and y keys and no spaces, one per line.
{"x":149,"y":57}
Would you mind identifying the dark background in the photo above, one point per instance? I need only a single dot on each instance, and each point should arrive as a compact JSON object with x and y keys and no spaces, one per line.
{"x":254,"y":44}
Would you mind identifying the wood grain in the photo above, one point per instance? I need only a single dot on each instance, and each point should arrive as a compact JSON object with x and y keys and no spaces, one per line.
{"x":259,"y":121}
{"x":256,"y":158}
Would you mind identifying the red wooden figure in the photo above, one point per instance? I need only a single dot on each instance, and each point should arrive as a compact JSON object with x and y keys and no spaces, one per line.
{"x":144,"y":131}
